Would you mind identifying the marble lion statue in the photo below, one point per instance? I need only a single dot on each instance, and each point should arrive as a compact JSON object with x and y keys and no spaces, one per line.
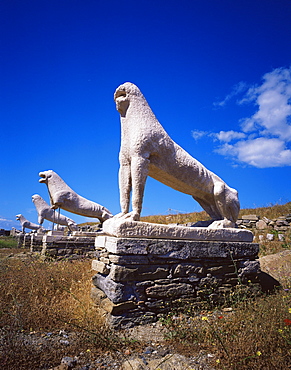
{"x":62,"y":196}
{"x":45,"y":212}
{"x":25,"y":224}
{"x":147,"y":150}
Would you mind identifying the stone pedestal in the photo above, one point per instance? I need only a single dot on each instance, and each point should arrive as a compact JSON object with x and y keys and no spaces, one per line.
{"x":36,"y":242}
{"x":24,"y":240}
{"x":20,"y":239}
{"x":137,"y":280}
{"x":92,"y":234}
{"x":121,"y":227}
{"x":68,"y":246}
{"x":55,"y":233}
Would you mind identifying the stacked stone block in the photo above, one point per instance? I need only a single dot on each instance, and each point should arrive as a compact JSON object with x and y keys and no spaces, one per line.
{"x":281,"y":224}
{"x":23,"y":240}
{"x":72,"y":247}
{"x":36,"y":243}
{"x":20,"y":240}
{"x":138,"y":280}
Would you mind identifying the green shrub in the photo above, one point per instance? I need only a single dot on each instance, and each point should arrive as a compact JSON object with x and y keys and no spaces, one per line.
{"x":8,"y":242}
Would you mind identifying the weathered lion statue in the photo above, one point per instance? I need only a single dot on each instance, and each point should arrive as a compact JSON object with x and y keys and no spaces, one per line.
{"x":62,"y":196}
{"x":25,"y":224}
{"x":147,"y":150}
{"x":45,"y":212}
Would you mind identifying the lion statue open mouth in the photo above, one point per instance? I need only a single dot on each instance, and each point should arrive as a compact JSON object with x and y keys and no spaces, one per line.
{"x":25,"y":224}
{"x":62,"y":196}
{"x":45,"y":212}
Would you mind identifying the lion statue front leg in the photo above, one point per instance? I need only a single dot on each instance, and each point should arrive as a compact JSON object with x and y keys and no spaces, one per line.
{"x":132,"y":177}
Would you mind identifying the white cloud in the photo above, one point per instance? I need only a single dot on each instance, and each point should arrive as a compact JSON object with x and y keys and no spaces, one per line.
{"x":3,"y":219}
{"x":261,"y":152}
{"x":266,"y":136}
{"x":228,"y":136}
{"x":199,"y":134}
{"x":274,"y":108}
{"x":7,"y":224}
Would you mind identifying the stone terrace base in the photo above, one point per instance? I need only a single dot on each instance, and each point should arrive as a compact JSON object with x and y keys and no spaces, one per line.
{"x":59,"y":246}
{"x":36,"y":243}
{"x":138,"y":280}
{"x":121,"y":227}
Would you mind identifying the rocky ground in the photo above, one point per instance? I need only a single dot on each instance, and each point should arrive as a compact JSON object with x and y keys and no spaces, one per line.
{"x":153,"y":353}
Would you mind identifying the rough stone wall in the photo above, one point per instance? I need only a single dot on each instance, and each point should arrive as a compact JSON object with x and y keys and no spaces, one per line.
{"x":36,"y":244}
{"x":138,"y":280}
{"x":72,"y":247}
{"x":281,"y":224}
{"x":23,"y":240}
{"x":4,"y":232}
{"x":59,"y":245}
{"x":20,"y":239}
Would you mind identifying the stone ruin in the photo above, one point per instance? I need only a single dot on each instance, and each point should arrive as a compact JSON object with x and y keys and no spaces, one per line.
{"x":266,"y":229}
{"x":280,"y":224}
{"x":138,"y":280}
{"x":62,"y":196}
{"x":147,"y":150}
{"x":70,"y":241}
{"x":142,"y":270}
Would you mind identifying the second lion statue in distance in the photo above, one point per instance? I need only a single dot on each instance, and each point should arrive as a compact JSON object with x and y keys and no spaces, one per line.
{"x":62,"y":196}
{"x":147,"y":150}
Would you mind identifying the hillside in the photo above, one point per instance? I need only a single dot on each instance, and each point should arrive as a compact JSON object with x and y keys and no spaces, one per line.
{"x":271,"y":212}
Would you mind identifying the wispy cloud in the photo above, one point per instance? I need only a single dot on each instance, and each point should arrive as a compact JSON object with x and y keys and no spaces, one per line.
{"x":228,"y":136}
{"x":7,"y":224}
{"x":273,"y":101}
{"x":265,"y":137}
{"x":236,"y":90}
{"x":196,"y":134}
{"x":4,"y":220}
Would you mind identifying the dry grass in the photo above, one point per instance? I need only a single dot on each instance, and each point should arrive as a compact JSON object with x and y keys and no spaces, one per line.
{"x":37,"y":297}
{"x":40,"y":297}
{"x":272,"y":247}
{"x":271,"y":212}
{"x":256,"y":335}
{"x":178,"y":218}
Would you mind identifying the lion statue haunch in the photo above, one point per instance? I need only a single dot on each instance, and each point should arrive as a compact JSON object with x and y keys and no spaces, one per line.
{"x":62,"y":196}
{"x":25,"y":224}
{"x":147,"y":150}
{"x":45,"y":212}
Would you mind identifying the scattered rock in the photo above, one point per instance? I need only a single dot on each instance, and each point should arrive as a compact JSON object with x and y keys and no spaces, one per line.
{"x":169,"y":362}
{"x":277,"y":265}
{"x":64,"y":342}
{"x":282,"y":223}
{"x":281,"y":237}
{"x":69,"y":362}
{"x":261,"y":225}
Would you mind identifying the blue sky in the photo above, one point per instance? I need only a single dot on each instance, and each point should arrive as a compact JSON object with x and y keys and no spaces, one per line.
{"x":216,"y":74}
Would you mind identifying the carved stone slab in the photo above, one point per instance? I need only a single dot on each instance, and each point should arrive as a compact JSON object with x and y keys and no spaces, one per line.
{"x":168,"y":250}
{"x":136,"y":229}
